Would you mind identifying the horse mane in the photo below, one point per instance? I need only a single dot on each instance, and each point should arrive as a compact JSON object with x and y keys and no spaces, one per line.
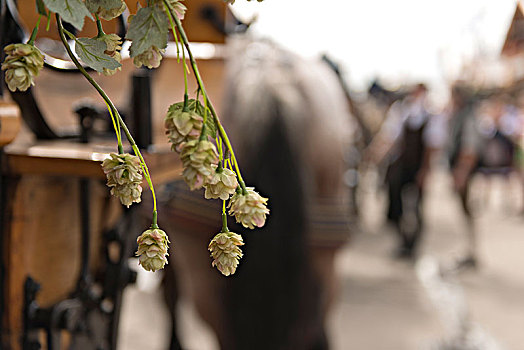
{"x":288,"y":119}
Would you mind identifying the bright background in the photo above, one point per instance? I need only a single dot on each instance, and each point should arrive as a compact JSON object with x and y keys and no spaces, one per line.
{"x":397,"y":41}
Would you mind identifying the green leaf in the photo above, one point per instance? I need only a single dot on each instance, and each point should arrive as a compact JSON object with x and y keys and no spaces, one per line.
{"x":94,"y":5}
{"x":91,"y":52}
{"x":149,"y":27}
{"x":40,"y":7}
{"x":71,"y":11}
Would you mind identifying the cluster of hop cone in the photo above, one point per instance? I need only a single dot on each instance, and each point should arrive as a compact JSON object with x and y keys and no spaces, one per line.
{"x":204,"y":165}
{"x":203,"y":168}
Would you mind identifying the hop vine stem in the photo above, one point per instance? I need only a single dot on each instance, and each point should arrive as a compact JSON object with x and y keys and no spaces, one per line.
{"x":202,"y":88}
{"x":31,"y":40}
{"x":112,"y":106}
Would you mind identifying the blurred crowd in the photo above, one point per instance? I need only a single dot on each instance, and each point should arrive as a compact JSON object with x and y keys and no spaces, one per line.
{"x":478,"y":132}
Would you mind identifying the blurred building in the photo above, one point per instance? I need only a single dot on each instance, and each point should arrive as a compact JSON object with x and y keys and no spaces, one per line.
{"x":506,"y":70}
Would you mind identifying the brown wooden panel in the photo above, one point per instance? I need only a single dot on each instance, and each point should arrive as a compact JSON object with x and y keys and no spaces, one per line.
{"x":43,"y":241}
{"x":198,"y":29}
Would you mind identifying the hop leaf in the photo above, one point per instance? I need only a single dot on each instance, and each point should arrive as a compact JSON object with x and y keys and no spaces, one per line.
{"x":152,"y":249}
{"x":71,"y":11}
{"x":95,"y":5}
{"x":92,"y":52}
{"x":225,"y":251}
{"x":147,"y":29}
{"x":221,"y":184}
{"x":198,"y":159}
{"x":106,"y":9}
{"x":22,"y":64}
{"x":249,"y":209}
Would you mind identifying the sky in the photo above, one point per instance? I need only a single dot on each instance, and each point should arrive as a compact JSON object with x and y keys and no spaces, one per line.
{"x":394,"y":40}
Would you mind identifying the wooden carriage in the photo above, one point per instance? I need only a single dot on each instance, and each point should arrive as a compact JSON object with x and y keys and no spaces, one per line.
{"x":64,"y":241}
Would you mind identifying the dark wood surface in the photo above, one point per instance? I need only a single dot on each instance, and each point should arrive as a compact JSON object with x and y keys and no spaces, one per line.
{"x":42,"y":232}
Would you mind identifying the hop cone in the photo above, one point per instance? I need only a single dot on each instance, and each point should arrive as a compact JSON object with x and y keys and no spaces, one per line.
{"x":249,"y":209}
{"x":177,"y":8}
{"x":128,"y":194}
{"x":124,"y":176}
{"x":182,"y":126}
{"x":152,"y":249}
{"x":22,"y":64}
{"x":198,"y":158}
{"x":94,"y":7}
{"x":150,"y":58}
{"x":221,"y":184}
{"x":225,"y":251}
{"x":113,"y":46}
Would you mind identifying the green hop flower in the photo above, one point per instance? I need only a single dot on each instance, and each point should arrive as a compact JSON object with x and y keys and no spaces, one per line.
{"x":152,"y":249}
{"x":22,"y":64}
{"x":124,"y":176}
{"x":198,"y":159}
{"x":249,"y":209}
{"x":182,"y":127}
{"x":94,"y":7}
{"x":113,"y":46}
{"x":150,"y":58}
{"x":113,"y":43}
{"x":225,"y":251}
{"x":221,"y":184}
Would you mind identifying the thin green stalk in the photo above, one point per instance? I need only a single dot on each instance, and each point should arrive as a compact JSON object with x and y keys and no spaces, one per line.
{"x":168,"y":12}
{"x":111,"y":105}
{"x":92,"y":81}
{"x":48,"y":24}
{"x":146,"y":175}
{"x":220,"y":154}
{"x":99,"y":27}
{"x":185,"y":70}
{"x":116,"y":126}
{"x":229,"y":164}
{"x":204,"y":123}
{"x":224,"y":217}
{"x":31,"y":40}
{"x":201,"y":86}
{"x":155,"y":220}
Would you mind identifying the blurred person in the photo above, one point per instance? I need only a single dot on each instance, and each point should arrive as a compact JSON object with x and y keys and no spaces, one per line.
{"x":466,"y":144}
{"x":519,"y":152}
{"x":288,"y":119}
{"x":484,"y":140}
{"x":406,"y":143}
{"x":500,"y":125}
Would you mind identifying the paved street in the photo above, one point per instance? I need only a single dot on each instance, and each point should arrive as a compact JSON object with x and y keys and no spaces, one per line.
{"x":386,"y":304}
